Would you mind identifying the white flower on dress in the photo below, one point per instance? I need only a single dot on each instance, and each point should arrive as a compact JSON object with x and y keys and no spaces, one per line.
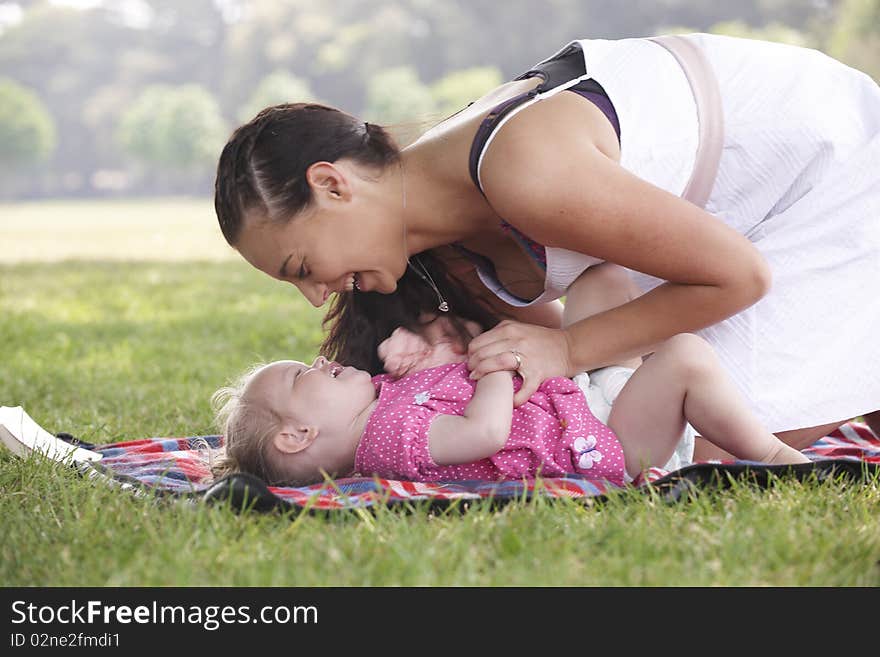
{"x":588,"y":455}
{"x":422,"y":397}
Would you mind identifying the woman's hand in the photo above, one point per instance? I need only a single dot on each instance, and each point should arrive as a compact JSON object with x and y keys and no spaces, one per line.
{"x":543,"y":353}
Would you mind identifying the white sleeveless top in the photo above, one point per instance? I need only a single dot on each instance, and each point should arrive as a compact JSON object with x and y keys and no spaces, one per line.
{"x":630,"y":70}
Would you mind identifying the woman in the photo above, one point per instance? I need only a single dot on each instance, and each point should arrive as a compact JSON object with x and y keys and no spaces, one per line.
{"x":735,"y":179}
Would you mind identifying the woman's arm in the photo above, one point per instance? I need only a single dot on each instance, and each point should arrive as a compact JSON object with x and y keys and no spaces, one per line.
{"x":482,"y":430}
{"x":545,"y":175}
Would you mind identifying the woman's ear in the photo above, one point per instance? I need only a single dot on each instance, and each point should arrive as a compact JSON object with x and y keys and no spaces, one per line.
{"x":292,"y":438}
{"x":328,"y":181}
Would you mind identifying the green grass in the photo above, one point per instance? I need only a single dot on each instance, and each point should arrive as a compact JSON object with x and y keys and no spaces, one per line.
{"x":118,"y":350}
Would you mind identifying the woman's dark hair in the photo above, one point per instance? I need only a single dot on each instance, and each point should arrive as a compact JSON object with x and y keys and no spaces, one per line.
{"x":358,"y":322}
{"x":263,"y":165}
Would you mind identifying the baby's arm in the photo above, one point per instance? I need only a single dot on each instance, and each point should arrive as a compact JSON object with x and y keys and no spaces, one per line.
{"x":482,"y":430}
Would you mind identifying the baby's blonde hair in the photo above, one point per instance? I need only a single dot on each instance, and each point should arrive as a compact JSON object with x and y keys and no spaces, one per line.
{"x":247,"y":425}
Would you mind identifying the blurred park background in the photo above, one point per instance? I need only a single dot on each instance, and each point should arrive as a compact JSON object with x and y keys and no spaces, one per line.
{"x":135,"y":98}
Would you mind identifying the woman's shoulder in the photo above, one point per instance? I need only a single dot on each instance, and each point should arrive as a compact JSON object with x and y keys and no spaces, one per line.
{"x":554,"y":125}
{"x":467,"y":120}
{"x":535,"y":158}
{"x":521,"y":137}
{"x":447,"y":145}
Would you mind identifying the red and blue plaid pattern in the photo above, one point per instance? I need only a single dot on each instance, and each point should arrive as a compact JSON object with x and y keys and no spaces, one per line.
{"x":180,"y":466}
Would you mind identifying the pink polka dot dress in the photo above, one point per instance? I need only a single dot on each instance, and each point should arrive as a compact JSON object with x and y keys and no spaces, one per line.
{"x":552,"y":434}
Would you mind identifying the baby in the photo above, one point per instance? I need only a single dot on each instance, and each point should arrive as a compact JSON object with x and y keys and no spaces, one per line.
{"x":292,"y":423}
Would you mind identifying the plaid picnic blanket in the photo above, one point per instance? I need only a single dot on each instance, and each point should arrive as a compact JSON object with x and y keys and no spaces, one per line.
{"x":178,"y":467}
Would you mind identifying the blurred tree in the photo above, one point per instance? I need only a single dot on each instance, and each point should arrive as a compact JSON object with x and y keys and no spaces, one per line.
{"x":277,"y":87}
{"x":702,"y":15}
{"x":64,"y":54}
{"x":186,"y":39}
{"x":770,"y":32}
{"x":397,"y":96}
{"x":855,"y":38}
{"x":338,"y":45}
{"x":27,"y":131}
{"x":177,"y":131}
{"x":271,"y":35}
{"x":515,"y":35}
{"x":455,"y":90}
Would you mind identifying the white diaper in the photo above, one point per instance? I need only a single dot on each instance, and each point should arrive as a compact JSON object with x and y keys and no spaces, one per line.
{"x":601,"y":388}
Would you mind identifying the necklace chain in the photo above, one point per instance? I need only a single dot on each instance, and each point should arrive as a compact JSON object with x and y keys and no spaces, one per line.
{"x":443,"y":307}
{"x":425,"y":276}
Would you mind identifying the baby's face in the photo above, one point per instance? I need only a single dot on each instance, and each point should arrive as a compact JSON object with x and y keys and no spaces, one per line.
{"x":325,"y":394}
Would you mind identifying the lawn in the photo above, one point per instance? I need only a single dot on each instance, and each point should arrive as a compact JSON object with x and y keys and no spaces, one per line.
{"x":130,"y":341}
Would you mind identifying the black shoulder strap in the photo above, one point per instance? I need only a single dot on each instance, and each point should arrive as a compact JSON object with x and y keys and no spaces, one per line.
{"x":565,"y":65}
{"x":562,"y":67}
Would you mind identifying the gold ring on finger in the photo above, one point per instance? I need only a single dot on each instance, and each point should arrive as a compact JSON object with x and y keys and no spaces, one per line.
{"x":519,"y":360}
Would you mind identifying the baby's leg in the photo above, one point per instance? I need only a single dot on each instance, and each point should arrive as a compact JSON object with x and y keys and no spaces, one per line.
{"x":683,"y":382}
{"x":600,"y":288}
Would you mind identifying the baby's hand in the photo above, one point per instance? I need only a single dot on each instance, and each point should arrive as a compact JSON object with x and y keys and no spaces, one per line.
{"x":439,"y":330}
{"x":403,"y":351}
{"x":440,"y":353}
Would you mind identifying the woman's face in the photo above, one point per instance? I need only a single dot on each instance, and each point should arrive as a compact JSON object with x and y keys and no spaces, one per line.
{"x":337,"y":243}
